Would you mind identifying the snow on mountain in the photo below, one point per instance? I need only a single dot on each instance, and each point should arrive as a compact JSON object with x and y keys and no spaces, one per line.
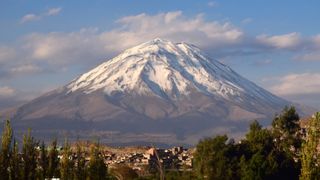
{"x":167,"y":70}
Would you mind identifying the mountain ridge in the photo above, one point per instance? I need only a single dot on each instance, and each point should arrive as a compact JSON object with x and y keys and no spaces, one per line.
{"x":188,"y":67}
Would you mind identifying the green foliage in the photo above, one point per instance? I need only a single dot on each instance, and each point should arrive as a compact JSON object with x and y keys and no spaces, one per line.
{"x":286,"y":131}
{"x":259,"y":142}
{"x":15,"y":163}
{"x":287,"y":122}
{"x":310,"y":154}
{"x":212,"y":160}
{"x":29,"y":156}
{"x":80,"y":164}
{"x":256,"y":157}
{"x":259,"y":139}
{"x":66,"y":163}
{"x":36,"y":162}
{"x":256,"y":167}
{"x":5,"y":150}
{"x":43,"y":162}
{"x":53,"y":169}
{"x":97,"y":169}
{"x":274,"y":162}
{"x":174,"y":175}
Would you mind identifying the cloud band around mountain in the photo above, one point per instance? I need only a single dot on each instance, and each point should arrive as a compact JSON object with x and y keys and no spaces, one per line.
{"x":58,"y":50}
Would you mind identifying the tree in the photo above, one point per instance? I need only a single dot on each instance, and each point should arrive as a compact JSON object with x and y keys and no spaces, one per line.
{"x":43,"y":162}
{"x":212,"y":160}
{"x":259,"y":139}
{"x":97,"y":169}
{"x":5,"y":150}
{"x":15,"y":162}
{"x":287,"y":121}
{"x":29,"y":155}
{"x":80,"y":164}
{"x":310,"y":159}
{"x":66,"y":164}
{"x":286,"y":130}
{"x":254,"y":129}
{"x":256,"y":167}
{"x":263,"y":160}
{"x":53,"y":169}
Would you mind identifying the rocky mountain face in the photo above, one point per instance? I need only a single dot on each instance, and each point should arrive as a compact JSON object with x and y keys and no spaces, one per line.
{"x":159,"y":92}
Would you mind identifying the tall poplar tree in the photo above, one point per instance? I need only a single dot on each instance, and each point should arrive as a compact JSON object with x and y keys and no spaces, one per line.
{"x":66,"y":163}
{"x":310,"y":158}
{"x":43,"y":162}
{"x":15,"y":163}
{"x":5,"y":150}
{"x":29,"y":156}
{"x":53,"y":169}
{"x":97,"y":169}
{"x":80,"y":164}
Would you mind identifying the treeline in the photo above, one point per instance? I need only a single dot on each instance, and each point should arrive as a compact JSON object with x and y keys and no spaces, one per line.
{"x":36,"y":161}
{"x":282,"y":151}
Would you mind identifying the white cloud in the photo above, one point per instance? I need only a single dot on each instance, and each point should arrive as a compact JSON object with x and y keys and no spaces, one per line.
{"x":173,"y":26}
{"x":285,"y":41}
{"x":6,"y":91}
{"x":53,"y":11}
{"x":29,"y":18}
{"x":297,"y":84}
{"x":66,"y":48}
{"x":56,"y":51}
{"x":91,"y":45}
{"x":35,"y":17}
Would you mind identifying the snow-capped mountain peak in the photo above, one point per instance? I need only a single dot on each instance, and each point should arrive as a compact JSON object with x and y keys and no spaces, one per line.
{"x":167,"y":70}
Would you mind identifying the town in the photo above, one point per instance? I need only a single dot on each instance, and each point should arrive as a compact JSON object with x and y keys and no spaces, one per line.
{"x":176,"y":158}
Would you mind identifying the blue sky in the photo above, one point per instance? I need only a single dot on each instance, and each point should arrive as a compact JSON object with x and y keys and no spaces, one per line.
{"x":44,"y":44}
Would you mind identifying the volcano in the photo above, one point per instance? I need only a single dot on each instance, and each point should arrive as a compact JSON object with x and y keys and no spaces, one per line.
{"x":158,"y":91}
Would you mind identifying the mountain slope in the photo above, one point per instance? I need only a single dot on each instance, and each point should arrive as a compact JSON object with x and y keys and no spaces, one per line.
{"x":158,"y":87}
{"x":168,"y":70}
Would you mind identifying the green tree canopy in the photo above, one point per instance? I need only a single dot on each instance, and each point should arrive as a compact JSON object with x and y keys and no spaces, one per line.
{"x":97,"y":169}
{"x":310,"y":159}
